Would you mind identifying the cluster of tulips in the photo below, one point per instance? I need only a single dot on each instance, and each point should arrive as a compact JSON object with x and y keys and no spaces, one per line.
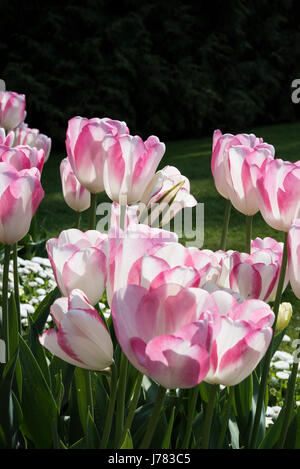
{"x":181,"y":316}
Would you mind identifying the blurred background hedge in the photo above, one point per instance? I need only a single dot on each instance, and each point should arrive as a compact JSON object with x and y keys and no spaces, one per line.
{"x":177,"y":69}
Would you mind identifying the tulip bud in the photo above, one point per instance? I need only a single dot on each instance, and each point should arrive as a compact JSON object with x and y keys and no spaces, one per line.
{"x":81,"y":337}
{"x":76,"y":196}
{"x":284,"y":316}
{"x":12,"y":109}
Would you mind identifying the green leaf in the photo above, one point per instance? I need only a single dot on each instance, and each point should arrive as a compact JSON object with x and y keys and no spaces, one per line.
{"x":243,"y":398}
{"x":39,"y":317}
{"x":8,"y":422}
{"x":82,"y":378}
{"x":38,"y":350}
{"x":92,"y":436}
{"x":59,"y":366}
{"x":38,"y":404}
{"x":167,"y":438}
{"x":14,"y":341}
{"x":127,"y":443}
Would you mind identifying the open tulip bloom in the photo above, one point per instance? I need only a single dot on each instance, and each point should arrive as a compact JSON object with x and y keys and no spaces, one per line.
{"x":78,"y":261}
{"x":12,"y":109}
{"x":81,"y":338}
{"x":20,"y":194}
{"x":181,"y":336}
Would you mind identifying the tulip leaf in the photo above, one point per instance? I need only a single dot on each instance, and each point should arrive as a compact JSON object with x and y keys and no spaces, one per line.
{"x":14,"y":341}
{"x":127,"y":443}
{"x":38,"y":350}
{"x":9,"y":422}
{"x":92,"y":437}
{"x":167,"y":438}
{"x":39,"y":317}
{"x":84,"y":394}
{"x":38,"y":404}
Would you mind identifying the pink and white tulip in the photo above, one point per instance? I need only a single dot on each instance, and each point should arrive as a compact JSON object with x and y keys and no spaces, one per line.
{"x":23,"y":157}
{"x":81,"y":338}
{"x":129,"y":166}
{"x":221,"y":145}
{"x":12,"y":109}
{"x":6,"y":139}
{"x":127,"y":247}
{"x":294,"y":256}
{"x":85,"y":150}
{"x":131,"y":215}
{"x":163,"y":332}
{"x":168,"y":192}
{"x":256,"y":275}
{"x":181,"y":336}
{"x":78,"y":260}
{"x":242,"y":336}
{"x":20,"y":195}
{"x":33,"y":138}
{"x":279,"y":193}
{"x":76,"y":196}
{"x":242,"y":167}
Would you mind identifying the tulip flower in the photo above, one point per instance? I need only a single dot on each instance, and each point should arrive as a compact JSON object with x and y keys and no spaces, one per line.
{"x":12,"y":109}
{"x":242,"y":165}
{"x":127,"y":247}
{"x":129,"y":166}
{"x":23,"y":157}
{"x":284,"y":316}
{"x":173,"y":263}
{"x":279,"y":193}
{"x":20,"y":194}
{"x":267,"y":243}
{"x":294,"y":256}
{"x":76,"y":196}
{"x":78,"y":260}
{"x":242,"y":337}
{"x":167,"y":193}
{"x":81,"y":338}
{"x":131,"y":215}
{"x":169,"y":333}
{"x":221,"y":145}
{"x":6,"y":139}
{"x":33,"y":138}
{"x":256,"y":275}
{"x":163,"y":334}
{"x":85,"y":150}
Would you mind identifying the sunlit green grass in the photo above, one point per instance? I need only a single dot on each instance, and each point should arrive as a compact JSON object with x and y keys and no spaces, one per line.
{"x":192,"y":158}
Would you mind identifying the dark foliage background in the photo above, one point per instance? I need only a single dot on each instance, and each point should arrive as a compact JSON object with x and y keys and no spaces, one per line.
{"x":174,"y":68}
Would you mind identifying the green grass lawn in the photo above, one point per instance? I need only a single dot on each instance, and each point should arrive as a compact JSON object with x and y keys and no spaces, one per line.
{"x":192,"y":158}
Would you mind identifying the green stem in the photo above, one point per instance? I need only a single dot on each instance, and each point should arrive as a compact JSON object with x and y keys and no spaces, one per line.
{"x":132,"y":408}
{"x":77,"y":221}
{"x":225,"y":418}
{"x":16,"y":283}
{"x":88,"y":383}
{"x":93,"y":208}
{"x":191,"y":412}
{"x":269,"y":354}
{"x":289,"y":402}
{"x":121,"y":397}
{"x":208,"y":416}
{"x":248,"y":233}
{"x":153,"y":421}
{"x":5,"y":324}
{"x":225,"y":225}
{"x":111,"y":407}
